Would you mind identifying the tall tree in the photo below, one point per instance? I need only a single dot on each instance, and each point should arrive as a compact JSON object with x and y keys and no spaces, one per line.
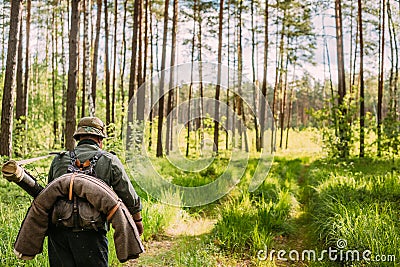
{"x":20,"y":90}
{"x":107,"y":64}
{"x":394,"y":55}
{"x":159,"y":152}
{"x":122,"y":66}
{"x":141,"y":94}
{"x":86,"y":95}
{"x":361,"y":78}
{"x":381,"y":73}
{"x":189,"y":111}
{"x":114,"y":62}
{"x":7,"y":101}
{"x":253,"y":55}
{"x":24,"y":112}
{"x":54,"y":72}
{"x":70,"y":120}
{"x":132,"y":76}
{"x":168,"y":140}
{"x":92,"y":110}
{"x":343,"y":134}
{"x":218,"y":86}
{"x":264,"y":84}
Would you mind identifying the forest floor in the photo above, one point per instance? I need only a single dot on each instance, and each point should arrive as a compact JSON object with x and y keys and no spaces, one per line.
{"x":195,"y":233}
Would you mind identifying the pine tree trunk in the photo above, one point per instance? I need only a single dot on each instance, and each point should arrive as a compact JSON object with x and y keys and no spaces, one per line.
{"x":151,"y":76}
{"x":7,"y":101}
{"x":132,"y":76}
{"x":341,"y":81}
{"x":361,"y":78}
{"x":95,"y":57}
{"x":168,"y":139}
{"x":86,"y":94}
{"x":140,"y":99}
{"x":114,"y":61}
{"x":228,"y":118}
{"x":122,"y":68}
{"x":159,"y":152}
{"x":241,"y":112}
{"x":64,"y":87}
{"x":24,"y":113}
{"x":20,"y":89}
{"x":253,"y":46}
{"x":107,"y":65}
{"x":217,"y":89}
{"x":201,"y":102}
{"x":381,"y":78}
{"x":53,"y":77}
{"x":264,"y":84}
{"x":70,"y":121}
{"x":191,"y":82}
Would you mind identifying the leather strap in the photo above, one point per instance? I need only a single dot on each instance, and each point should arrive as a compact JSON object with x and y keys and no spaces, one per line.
{"x":113,"y":210}
{"x":71,"y":186}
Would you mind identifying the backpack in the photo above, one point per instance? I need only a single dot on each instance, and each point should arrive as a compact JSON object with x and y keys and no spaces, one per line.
{"x":87,"y":167}
{"x":77,"y":213}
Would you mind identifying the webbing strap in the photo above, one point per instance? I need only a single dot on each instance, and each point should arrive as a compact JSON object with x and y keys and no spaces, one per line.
{"x":113,"y":211}
{"x":71,"y":186}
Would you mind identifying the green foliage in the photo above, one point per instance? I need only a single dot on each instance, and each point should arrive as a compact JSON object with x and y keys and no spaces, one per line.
{"x":390,"y":139}
{"x":335,"y":123}
{"x":251,"y":221}
{"x":357,"y":201}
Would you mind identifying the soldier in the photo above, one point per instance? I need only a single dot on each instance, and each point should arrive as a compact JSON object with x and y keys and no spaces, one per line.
{"x":72,"y":242}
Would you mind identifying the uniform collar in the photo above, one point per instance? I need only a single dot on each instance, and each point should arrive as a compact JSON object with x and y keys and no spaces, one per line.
{"x":87,"y":142}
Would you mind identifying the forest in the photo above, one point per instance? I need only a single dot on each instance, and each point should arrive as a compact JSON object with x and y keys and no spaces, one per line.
{"x":248,"y":127}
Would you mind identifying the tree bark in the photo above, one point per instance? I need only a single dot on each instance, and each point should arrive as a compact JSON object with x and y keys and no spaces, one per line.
{"x":264,"y":84}
{"x":191,"y":82}
{"x":8,"y":101}
{"x":53,"y":76}
{"x":95,"y":57}
{"x":20,"y":90}
{"x":107,"y":65}
{"x":141,"y":94}
{"x":159,"y":152}
{"x":122,"y":68}
{"x":381,"y":78}
{"x":361,"y":78}
{"x":132,"y":76}
{"x":86,"y":94}
{"x":168,"y":139}
{"x":253,"y":46}
{"x":217,"y":89}
{"x":114,"y":62}
{"x":344,"y":150}
{"x":70,"y":120}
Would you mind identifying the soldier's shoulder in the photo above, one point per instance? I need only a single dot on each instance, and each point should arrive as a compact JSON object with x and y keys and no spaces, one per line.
{"x":110,"y":154}
{"x":59,"y":154}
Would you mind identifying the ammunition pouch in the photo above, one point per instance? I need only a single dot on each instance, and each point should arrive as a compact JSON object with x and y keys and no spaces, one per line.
{"x":77,"y":214}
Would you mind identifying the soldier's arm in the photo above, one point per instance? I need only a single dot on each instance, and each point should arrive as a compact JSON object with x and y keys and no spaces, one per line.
{"x":122,"y":185}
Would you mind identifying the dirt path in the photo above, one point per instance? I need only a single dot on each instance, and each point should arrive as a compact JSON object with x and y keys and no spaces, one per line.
{"x":161,"y":252}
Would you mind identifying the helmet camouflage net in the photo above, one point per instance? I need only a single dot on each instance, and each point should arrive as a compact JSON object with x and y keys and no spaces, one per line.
{"x":90,"y":126}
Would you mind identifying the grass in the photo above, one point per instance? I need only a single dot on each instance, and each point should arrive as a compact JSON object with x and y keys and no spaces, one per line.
{"x":357,"y":201}
{"x":306,"y":202}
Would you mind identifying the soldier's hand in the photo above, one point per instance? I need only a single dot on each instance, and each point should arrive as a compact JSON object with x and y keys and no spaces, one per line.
{"x":140,"y":228}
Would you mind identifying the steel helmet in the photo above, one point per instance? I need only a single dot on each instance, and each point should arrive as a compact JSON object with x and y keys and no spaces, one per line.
{"x":90,"y":126}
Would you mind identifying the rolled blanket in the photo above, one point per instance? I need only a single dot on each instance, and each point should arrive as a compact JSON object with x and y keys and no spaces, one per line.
{"x":34,"y":227}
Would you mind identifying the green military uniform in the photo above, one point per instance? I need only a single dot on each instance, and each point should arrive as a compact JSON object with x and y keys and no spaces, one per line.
{"x":89,"y":247}
{"x":108,"y":168}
